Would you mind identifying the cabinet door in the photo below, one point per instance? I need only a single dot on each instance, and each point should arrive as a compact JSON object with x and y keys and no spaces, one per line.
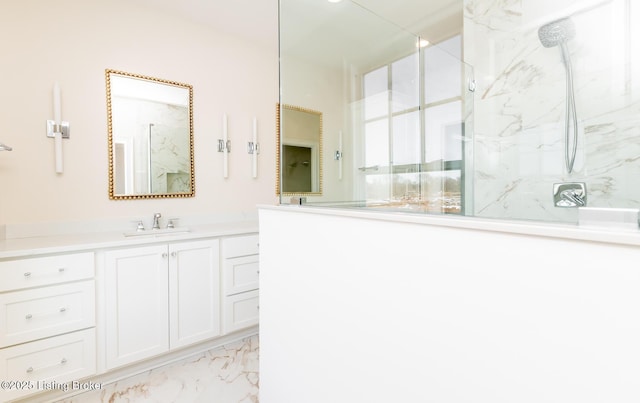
{"x":48,"y":270}
{"x":137,"y":305}
{"x":241,"y":311}
{"x":240,"y":274}
{"x":194,"y":291}
{"x":47,"y":311}
{"x":54,"y":360}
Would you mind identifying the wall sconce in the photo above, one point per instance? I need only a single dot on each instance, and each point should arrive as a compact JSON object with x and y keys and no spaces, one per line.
{"x":224,"y":146}
{"x":57,"y":129}
{"x":338,"y":155}
{"x":253,"y":148}
{"x":4,"y":147}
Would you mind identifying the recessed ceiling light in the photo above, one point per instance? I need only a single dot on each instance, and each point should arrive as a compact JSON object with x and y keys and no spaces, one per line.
{"x":422,"y":43}
{"x":335,"y":1}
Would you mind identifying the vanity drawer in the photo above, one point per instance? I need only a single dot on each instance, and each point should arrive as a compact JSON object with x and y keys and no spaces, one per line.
{"x":240,"y":274}
{"x":240,"y":246}
{"x":34,"y":314}
{"x":240,"y":311}
{"x":56,"y":359}
{"x":40,"y":271}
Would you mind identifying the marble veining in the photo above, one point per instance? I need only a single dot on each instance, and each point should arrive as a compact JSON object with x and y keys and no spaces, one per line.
{"x":228,"y":374}
{"x":519,"y":107}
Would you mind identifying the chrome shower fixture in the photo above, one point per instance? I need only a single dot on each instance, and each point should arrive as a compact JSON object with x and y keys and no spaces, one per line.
{"x":571,"y":194}
{"x":557,"y":33}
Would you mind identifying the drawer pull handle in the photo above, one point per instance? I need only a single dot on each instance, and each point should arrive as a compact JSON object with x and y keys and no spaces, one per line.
{"x":63,"y":309}
{"x":28,"y":316}
{"x":27,"y":274}
{"x":62,"y":362}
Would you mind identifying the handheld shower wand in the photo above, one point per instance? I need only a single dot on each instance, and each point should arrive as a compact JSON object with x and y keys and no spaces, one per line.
{"x":557,"y":33}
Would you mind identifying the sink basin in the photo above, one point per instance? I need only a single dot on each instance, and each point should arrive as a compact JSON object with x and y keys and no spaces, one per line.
{"x":157,"y":232}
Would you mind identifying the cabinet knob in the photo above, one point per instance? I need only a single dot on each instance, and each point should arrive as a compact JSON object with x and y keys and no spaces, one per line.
{"x":63,"y":361}
{"x":63,"y":309}
{"x":28,"y":316}
{"x":29,"y":370}
{"x":164,"y":255}
{"x":27,"y":274}
{"x":174,"y":254}
{"x":61,"y":269}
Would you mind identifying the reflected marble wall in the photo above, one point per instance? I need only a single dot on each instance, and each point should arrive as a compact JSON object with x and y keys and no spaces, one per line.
{"x":170,"y":150}
{"x":519,"y":105}
{"x":225,"y":375}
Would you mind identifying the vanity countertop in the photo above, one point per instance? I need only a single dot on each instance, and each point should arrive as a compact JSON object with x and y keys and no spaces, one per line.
{"x":37,"y":245}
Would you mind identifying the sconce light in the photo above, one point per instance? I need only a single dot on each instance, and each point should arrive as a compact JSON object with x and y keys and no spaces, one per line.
{"x":224,"y":146}
{"x":4,"y":147}
{"x":57,"y":129}
{"x":253,"y":148}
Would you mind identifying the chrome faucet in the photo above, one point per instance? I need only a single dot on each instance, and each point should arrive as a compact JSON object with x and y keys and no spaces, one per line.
{"x":574,"y":197}
{"x":156,"y":220}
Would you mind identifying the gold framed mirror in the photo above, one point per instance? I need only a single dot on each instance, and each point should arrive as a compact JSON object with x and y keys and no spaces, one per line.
{"x":298,"y":151}
{"x":150,"y":131}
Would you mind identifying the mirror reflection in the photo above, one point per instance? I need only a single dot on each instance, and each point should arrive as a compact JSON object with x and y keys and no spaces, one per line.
{"x":394,"y":100}
{"x":300,"y":150}
{"x":150,"y":137}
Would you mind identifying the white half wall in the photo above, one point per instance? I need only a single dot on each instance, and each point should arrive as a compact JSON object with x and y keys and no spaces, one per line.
{"x":363,"y":310}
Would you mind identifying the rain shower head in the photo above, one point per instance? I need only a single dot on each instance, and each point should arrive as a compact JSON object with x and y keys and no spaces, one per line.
{"x":556,"y":32}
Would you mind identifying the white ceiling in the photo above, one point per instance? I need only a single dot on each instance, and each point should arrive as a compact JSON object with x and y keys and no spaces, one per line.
{"x":257,"y":20}
{"x":414,"y":15}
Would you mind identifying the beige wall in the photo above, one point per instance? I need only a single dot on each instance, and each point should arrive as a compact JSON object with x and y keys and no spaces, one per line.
{"x":73,"y":42}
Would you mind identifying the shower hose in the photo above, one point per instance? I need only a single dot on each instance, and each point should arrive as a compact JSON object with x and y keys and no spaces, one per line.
{"x":570,"y":107}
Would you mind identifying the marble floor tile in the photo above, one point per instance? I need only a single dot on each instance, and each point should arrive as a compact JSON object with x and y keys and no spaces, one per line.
{"x":228,"y":374}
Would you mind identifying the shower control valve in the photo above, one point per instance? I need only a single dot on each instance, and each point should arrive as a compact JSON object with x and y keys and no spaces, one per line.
{"x":570,"y":194}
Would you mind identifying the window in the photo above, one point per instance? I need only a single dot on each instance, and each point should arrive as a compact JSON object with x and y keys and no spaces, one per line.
{"x":413,"y":130}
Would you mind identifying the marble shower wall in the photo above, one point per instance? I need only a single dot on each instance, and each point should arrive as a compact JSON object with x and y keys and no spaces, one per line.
{"x":519,"y":105}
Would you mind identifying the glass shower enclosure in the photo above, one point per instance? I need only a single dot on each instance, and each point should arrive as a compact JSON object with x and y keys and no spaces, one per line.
{"x":476,"y":113}
{"x":394,"y":107}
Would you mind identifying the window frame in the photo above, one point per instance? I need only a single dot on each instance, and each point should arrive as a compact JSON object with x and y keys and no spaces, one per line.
{"x":421,"y":167}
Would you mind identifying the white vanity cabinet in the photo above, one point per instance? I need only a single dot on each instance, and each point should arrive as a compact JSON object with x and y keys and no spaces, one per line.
{"x":240,"y":282}
{"x":159,"y":298}
{"x":47,"y":320}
